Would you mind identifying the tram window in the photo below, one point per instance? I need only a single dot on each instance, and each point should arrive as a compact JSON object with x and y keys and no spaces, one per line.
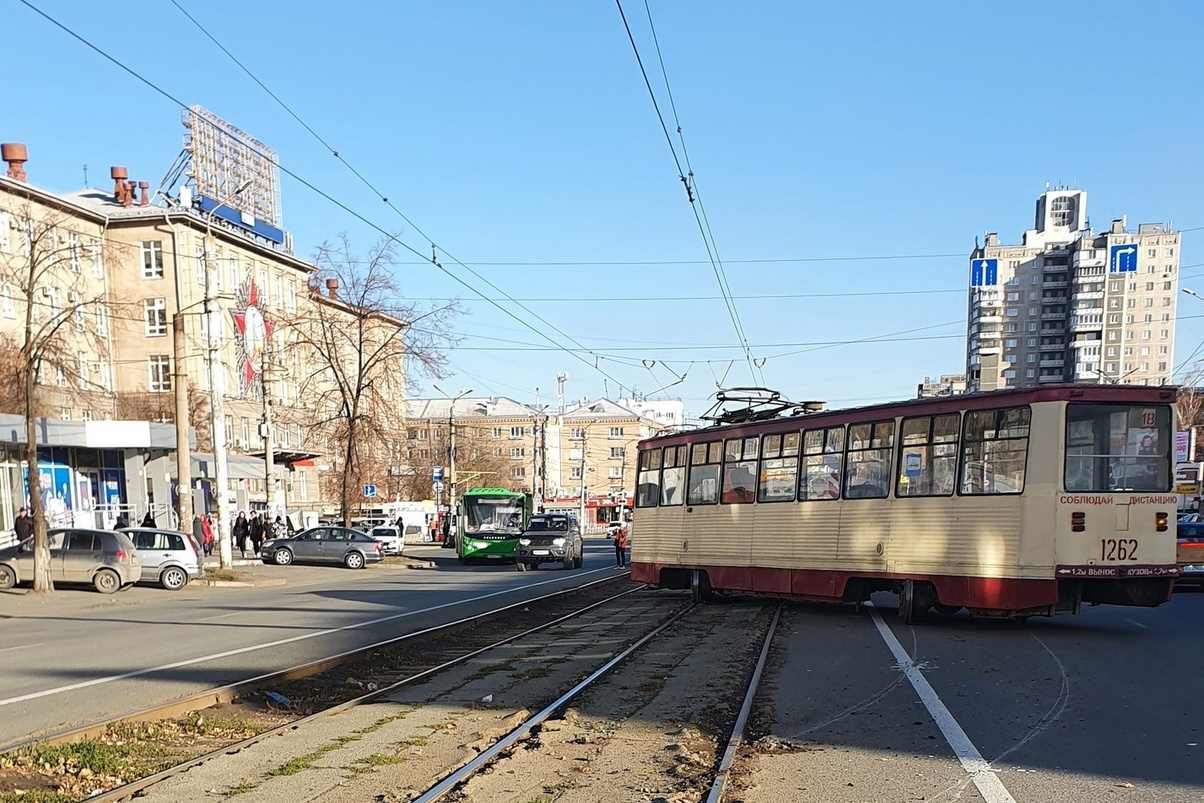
{"x":673,"y":478}
{"x":927,"y":456}
{"x":867,"y":466}
{"x":739,"y":470}
{"x":704,"y":474}
{"x":823,"y":462}
{"x":1117,"y":447}
{"x":994,"y":451}
{"x":647,"y":492}
{"x":779,"y":468}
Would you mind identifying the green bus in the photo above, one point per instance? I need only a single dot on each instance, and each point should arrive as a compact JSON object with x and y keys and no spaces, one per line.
{"x":490,"y":522}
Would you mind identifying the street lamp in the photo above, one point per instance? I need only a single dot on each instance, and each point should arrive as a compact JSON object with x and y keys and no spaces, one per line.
{"x":217,"y":415}
{"x":451,"y":453}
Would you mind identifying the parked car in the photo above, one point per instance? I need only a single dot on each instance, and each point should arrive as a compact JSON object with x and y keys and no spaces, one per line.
{"x":351,"y":548}
{"x":105,"y":559}
{"x":168,"y":558}
{"x":551,"y":538}
{"x":1189,"y":553}
{"x":391,"y":539}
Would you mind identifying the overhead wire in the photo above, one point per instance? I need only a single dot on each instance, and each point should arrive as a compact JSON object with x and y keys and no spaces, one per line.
{"x":357,"y":215}
{"x":699,"y":217}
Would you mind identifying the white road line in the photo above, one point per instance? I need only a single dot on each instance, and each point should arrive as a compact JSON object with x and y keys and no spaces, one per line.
{"x":978,"y":768}
{"x":1139,"y":624}
{"x":21,"y":647}
{"x":266,"y":645}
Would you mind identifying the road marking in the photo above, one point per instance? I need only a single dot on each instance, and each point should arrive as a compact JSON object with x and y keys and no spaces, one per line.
{"x":1139,"y":624}
{"x":978,"y":768}
{"x":269,"y":644}
{"x":21,"y":646}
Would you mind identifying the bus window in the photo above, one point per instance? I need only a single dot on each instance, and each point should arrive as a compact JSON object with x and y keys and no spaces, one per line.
{"x":927,"y":456}
{"x":994,"y":451}
{"x":739,"y":470}
{"x":823,"y":462}
{"x":673,"y":478}
{"x":648,"y":483}
{"x":867,"y":470}
{"x":704,"y":473}
{"x":779,"y":468}
{"x":1117,"y":447}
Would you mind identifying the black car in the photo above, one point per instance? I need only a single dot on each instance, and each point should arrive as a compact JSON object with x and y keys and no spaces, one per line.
{"x":551,"y":538}
{"x":351,"y":548}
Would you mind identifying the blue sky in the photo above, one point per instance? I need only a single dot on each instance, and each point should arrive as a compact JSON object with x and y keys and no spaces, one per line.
{"x":846,"y":156}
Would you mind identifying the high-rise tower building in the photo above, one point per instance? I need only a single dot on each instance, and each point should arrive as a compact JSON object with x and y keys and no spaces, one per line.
{"x":1072,"y":305}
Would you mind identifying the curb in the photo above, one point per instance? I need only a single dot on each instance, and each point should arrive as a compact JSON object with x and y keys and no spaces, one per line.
{"x":275,"y":581}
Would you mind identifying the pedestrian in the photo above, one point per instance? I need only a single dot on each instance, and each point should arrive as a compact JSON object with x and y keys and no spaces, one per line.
{"x":279,"y":528}
{"x":23,"y":526}
{"x":621,"y":547}
{"x":255,"y":525}
{"x":207,"y":534}
{"x":148,"y":520}
{"x":242,"y":532}
{"x":121,"y":523}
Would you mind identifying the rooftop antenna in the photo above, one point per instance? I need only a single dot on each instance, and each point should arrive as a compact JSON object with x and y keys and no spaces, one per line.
{"x":85,"y":177}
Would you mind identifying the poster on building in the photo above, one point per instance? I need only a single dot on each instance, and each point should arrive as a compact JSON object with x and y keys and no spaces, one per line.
{"x":1184,"y":446}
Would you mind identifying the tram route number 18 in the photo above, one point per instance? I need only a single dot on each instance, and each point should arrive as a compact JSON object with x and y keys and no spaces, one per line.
{"x":1118,"y":549}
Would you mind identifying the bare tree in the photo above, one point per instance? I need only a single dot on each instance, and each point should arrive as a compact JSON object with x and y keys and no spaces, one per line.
{"x":1190,"y":403}
{"x":362,"y":353}
{"x":53,"y":285}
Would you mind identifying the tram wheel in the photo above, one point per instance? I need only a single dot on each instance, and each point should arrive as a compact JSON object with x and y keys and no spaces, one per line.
{"x":914,"y":601}
{"x":947,"y":610}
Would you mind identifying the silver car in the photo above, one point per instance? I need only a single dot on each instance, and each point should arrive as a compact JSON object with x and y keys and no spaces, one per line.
{"x":351,"y":548}
{"x":105,"y":559}
{"x":168,"y":558}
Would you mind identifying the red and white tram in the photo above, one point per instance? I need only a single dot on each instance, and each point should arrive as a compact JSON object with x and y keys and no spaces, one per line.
{"x":1010,"y":503}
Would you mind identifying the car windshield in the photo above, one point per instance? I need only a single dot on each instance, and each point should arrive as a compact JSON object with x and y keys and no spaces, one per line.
{"x":547,"y":525}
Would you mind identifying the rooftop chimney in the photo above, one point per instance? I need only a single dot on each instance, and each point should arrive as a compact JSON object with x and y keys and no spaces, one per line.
{"x":15,"y":154}
{"x":332,"y":288}
{"x":145,"y":187}
{"x":120,"y":190}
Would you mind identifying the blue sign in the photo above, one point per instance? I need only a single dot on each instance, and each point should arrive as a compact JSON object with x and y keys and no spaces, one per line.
{"x":1122,"y":259}
{"x":913,"y":465}
{"x":437,"y":474}
{"x":369,"y":491}
{"x":984,"y":272}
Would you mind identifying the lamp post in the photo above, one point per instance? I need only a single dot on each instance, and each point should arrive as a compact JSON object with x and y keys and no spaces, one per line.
{"x":451,"y":453}
{"x":217,"y":417}
{"x":269,"y":456}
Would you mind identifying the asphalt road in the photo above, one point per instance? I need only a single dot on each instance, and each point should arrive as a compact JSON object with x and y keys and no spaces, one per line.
{"x":1099,"y":707}
{"x":78,"y":657}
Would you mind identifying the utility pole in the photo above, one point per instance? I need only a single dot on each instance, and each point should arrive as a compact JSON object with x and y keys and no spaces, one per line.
{"x":584,"y":444}
{"x":269,"y":456}
{"x":217,"y":425}
{"x":183,"y":450}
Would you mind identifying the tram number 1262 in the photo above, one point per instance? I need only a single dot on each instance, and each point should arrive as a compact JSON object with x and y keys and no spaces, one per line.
{"x":1118,"y":549}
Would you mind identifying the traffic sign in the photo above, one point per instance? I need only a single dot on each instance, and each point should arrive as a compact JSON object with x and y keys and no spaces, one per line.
{"x":436,"y":473}
{"x":369,"y":491}
{"x":984,"y":272}
{"x":1122,"y":259}
{"x":913,"y":465}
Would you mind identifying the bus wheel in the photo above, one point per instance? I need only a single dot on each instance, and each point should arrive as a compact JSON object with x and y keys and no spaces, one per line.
{"x":696,"y":591}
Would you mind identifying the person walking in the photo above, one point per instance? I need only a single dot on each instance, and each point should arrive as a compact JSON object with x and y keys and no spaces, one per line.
{"x":207,"y":534}
{"x":255,"y":525}
{"x":242,"y":532}
{"x":23,"y":526}
{"x":279,"y":528}
{"x":621,"y":547}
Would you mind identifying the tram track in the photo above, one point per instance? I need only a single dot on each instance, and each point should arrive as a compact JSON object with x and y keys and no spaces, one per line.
{"x":393,"y":663}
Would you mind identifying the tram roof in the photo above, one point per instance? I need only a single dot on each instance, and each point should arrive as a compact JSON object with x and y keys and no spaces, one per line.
{"x":1132,"y":394}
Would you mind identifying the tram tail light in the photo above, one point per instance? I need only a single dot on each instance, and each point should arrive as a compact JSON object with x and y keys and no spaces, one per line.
{"x":1078,"y":521}
{"x":1161,"y":521}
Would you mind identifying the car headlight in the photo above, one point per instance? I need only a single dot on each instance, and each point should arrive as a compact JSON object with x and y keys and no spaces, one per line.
{"x":525,"y":541}
{"x":558,"y":541}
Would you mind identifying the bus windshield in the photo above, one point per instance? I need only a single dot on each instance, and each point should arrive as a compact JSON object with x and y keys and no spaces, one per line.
{"x":493,"y":514}
{"x":1118,"y":447}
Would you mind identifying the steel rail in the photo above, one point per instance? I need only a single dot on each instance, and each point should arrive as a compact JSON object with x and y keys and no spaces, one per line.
{"x":225,"y":694}
{"x":134,"y":788}
{"x":737,"y":737}
{"x":469,"y":769}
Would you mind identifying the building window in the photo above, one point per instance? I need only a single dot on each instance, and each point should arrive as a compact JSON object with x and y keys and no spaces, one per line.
{"x":1030,"y":373}
{"x":73,"y":251}
{"x":155,"y":313}
{"x":98,"y":263}
{"x":615,"y":473}
{"x":517,"y":432}
{"x":86,"y":415}
{"x":616,"y":432}
{"x":102,"y":320}
{"x":302,"y":486}
{"x":200,"y":265}
{"x":1011,"y":312}
{"x":517,"y":452}
{"x":158,"y":373}
{"x":85,"y":375}
{"x":575,"y":473}
{"x":617,"y":452}
{"x":1010,"y":343}
{"x":65,"y":414}
{"x":7,"y":304}
{"x":518,"y":472}
{"x":152,"y":259}
{"x":1031,"y":327}
{"x":577,"y":434}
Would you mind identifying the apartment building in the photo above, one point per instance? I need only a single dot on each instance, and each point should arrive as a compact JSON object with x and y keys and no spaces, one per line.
{"x":1069,"y":304}
{"x":253,"y":318}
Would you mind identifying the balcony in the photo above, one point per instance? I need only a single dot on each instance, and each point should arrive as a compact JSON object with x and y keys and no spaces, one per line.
{"x":1053,"y":347}
{"x":1051,"y":377}
{"x":1061,"y":282}
{"x":1052,"y":362}
{"x":1053,"y":316}
{"x":1081,"y":261}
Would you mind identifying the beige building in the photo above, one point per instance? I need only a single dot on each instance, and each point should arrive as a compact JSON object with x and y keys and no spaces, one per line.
{"x":123,"y":269}
{"x":1069,"y":304}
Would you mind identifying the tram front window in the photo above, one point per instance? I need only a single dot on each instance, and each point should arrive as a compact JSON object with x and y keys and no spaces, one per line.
{"x":1117,"y":447}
